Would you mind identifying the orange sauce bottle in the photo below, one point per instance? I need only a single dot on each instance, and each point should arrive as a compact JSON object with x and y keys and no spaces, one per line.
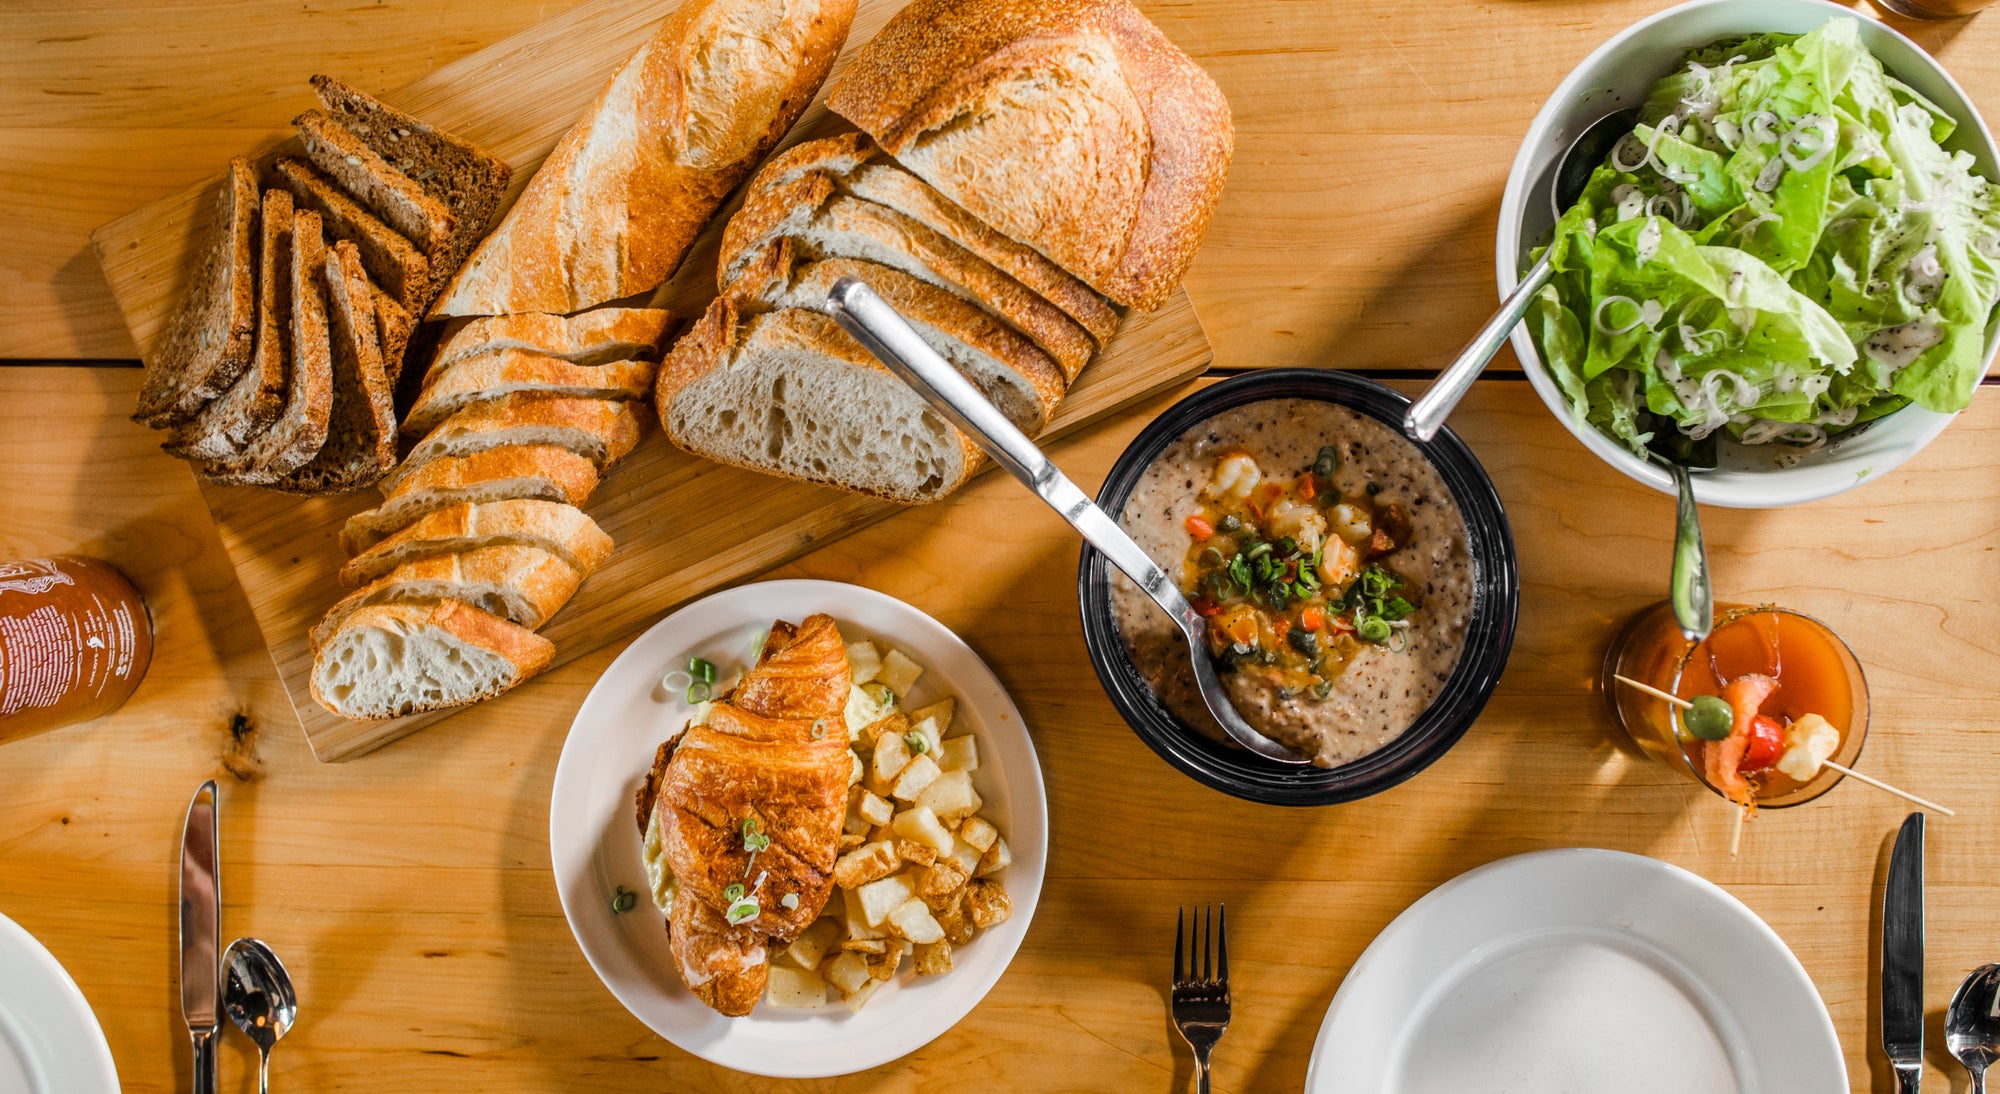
{"x":75,"y":640}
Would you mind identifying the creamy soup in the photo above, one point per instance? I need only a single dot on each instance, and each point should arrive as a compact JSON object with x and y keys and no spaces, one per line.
{"x":1331,"y":564}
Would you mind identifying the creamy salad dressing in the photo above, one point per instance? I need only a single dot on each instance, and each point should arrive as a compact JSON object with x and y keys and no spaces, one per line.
{"x":1380,"y":693}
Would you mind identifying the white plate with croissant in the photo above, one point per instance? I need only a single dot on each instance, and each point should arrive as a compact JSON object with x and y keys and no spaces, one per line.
{"x":798,"y":828}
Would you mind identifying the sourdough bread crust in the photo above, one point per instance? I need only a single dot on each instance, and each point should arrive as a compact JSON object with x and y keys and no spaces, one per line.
{"x":602,"y":431}
{"x":557,"y":527}
{"x":525,"y":651}
{"x":532,"y":471}
{"x":496,"y":375}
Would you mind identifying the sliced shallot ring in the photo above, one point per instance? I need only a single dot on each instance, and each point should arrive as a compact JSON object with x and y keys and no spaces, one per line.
{"x":1597,"y":315}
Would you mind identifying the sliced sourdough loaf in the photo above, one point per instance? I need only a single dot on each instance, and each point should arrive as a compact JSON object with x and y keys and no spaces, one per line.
{"x":301,"y":430}
{"x":394,"y":262}
{"x":257,"y":398}
{"x":600,"y":430}
{"x":827,"y":224}
{"x":518,"y":583}
{"x":377,"y":184}
{"x":391,"y":660}
{"x":561,"y":529}
{"x":508,"y":372}
{"x":789,"y":393}
{"x":591,"y":338}
{"x":361,"y":433}
{"x":1006,"y":367}
{"x":617,"y":204}
{"x":861,"y":169}
{"x":531,"y":471}
{"x":467,"y":179}
{"x":213,"y":333}
{"x":1073,"y":126}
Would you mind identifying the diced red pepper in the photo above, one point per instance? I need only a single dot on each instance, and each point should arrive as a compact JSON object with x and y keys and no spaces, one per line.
{"x":1281,"y":627}
{"x":1199,"y":527}
{"x":1203,"y":606}
{"x":1767,"y":744}
{"x":1307,"y":491}
{"x":1313,"y":618}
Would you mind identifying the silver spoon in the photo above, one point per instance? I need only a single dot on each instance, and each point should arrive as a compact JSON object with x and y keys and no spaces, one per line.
{"x":257,"y":994}
{"x":1972,"y":1023}
{"x":1426,"y":416}
{"x":876,"y":325}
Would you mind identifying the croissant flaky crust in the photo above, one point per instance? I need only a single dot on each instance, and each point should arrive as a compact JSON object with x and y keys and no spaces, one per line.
{"x":774,"y":753}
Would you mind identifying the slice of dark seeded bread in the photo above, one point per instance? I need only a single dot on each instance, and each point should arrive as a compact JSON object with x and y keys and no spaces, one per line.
{"x":361,"y":437}
{"x":394,"y":262}
{"x":466,"y":178}
{"x":300,"y":431}
{"x":253,"y":403}
{"x":376,"y":183}
{"x":212,"y":336}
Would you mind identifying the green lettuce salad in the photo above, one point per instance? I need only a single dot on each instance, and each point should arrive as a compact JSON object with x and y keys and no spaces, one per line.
{"x":1780,"y":250}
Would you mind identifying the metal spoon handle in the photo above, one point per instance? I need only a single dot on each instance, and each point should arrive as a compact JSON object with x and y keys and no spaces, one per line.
{"x":877,"y":327}
{"x":1692,"y":594}
{"x":1426,"y":416}
{"x":263,"y":1070}
{"x":1978,"y":1079}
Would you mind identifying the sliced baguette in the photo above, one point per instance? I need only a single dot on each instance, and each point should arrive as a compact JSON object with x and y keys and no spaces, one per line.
{"x":257,"y":398}
{"x":600,"y":430}
{"x":361,"y":434}
{"x":509,"y":372}
{"x":396,"y":659}
{"x":592,"y":338}
{"x":394,"y":262}
{"x":1007,"y":368}
{"x":213,"y":332}
{"x":539,"y":471}
{"x":518,"y":583}
{"x":789,"y":393}
{"x":561,"y":529}
{"x":376,"y":184}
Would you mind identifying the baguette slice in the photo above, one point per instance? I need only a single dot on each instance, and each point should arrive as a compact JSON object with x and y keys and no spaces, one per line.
{"x":562,"y":530}
{"x":521,"y":584}
{"x":257,"y":398}
{"x":539,"y":471}
{"x":376,"y":184}
{"x":396,"y":659}
{"x":615,"y":207}
{"x":861,"y":169}
{"x":301,"y":428}
{"x":508,"y":372}
{"x":466,"y":179}
{"x":592,"y":338}
{"x":789,"y":393}
{"x":1073,"y":126}
{"x":827,"y":224}
{"x":214,"y":331}
{"x":394,"y":262}
{"x":600,"y":430}
{"x":1013,"y":375}
{"x":361,"y":434}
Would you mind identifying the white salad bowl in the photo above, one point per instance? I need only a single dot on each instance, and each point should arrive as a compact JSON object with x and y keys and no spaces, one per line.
{"x":1615,"y":77}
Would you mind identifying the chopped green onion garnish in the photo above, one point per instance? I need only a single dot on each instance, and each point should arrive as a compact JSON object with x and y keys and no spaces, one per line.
{"x":624,"y":902}
{"x":1322,"y":689}
{"x":1212,"y":558}
{"x":1373,"y":629}
{"x":919,"y":744}
{"x":1258,"y":549}
{"x":791,"y":902}
{"x":699,"y":692}
{"x":1287,"y":547}
{"x":701,"y":670}
{"x":819,"y":729}
{"x":754,"y":838}
{"x":733,"y":891}
{"x":742,"y":911}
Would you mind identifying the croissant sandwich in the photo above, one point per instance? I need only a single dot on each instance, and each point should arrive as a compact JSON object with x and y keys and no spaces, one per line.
{"x":742,"y":815}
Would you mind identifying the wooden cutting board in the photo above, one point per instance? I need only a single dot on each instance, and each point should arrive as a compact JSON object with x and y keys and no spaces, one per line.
{"x":683,"y":525}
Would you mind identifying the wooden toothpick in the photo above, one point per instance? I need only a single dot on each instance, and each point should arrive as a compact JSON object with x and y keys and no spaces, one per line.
{"x":1843,"y":769}
{"x":1736,"y":830}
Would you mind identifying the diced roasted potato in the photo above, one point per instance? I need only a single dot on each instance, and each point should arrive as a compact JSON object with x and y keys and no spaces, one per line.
{"x":857,"y":771}
{"x":884,"y":966}
{"x":966,"y":855}
{"x":928,"y":731}
{"x":922,"y":825}
{"x":879,"y":898}
{"x":950,"y":795}
{"x":848,"y":972}
{"x":915,"y":776}
{"x":899,"y":672}
{"x":869,"y":862}
{"x":866,"y":945}
{"x":913,"y":921}
{"x":859,"y":997}
{"x":958,"y":928}
{"x":941,"y":883}
{"x":864,"y":661}
{"x":788,"y":987}
{"x":934,"y":957}
{"x":875,"y":809}
{"x":922,"y":854}
{"x":959,"y":753}
{"x":855,"y":825}
{"x":812,"y":943}
{"x":850,"y":914}
{"x":895,"y":723}
{"x":986,"y":904}
{"x":849,"y":841}
{"x":882,"y":833}
{"x":994,"y":860}
{"x":940,"y":712}
{"x":891,"y":756}
{"x":978,"y":832}
{"x":859,"y":931}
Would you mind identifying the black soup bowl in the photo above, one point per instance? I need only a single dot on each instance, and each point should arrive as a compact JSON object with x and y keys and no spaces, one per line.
{"x":1489,"y":634}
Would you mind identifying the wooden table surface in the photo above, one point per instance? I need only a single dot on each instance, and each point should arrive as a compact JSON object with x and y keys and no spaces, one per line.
{"x":410,"y":890}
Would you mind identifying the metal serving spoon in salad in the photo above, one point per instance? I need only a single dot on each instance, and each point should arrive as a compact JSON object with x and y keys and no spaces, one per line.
{"x":876,"y":325}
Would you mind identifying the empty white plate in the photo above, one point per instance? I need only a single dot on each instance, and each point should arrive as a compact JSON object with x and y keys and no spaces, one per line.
{"x":1577,"y":971}
{"x":50,"y":1042}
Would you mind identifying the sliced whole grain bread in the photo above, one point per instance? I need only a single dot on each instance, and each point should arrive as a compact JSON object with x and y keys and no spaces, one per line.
{"x":1009,"y":370}
{"x":213,"y":333}
{"x":789,"y":393}
{"x":393,"y":326}
{"x":467,"y":179}
{"x":561,"y":529}
{"x":589,"y":338}
{"x":377,"y":184}
{"x":496,"y":375}
{"x":600,"y":430}
{"x":392,"y":660}
{"x":497,"y":474}
{"x":361,"y":434}
{"x":257,"y":398}
{"x":518,"y":583}
{"x":394,"y":262}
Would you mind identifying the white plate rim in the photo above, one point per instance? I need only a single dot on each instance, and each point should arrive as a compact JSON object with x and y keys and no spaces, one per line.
{"x":1805,"y":995}
{"x":749,"y":1044}
{"x":81,"y":1060}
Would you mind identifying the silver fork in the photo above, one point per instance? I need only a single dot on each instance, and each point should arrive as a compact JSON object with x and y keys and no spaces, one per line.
{"x":1201,"y":983}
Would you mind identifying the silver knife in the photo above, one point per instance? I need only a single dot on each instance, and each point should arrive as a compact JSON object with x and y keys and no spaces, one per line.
{"x":1903,"y":957}
{"x":201,"y":913}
